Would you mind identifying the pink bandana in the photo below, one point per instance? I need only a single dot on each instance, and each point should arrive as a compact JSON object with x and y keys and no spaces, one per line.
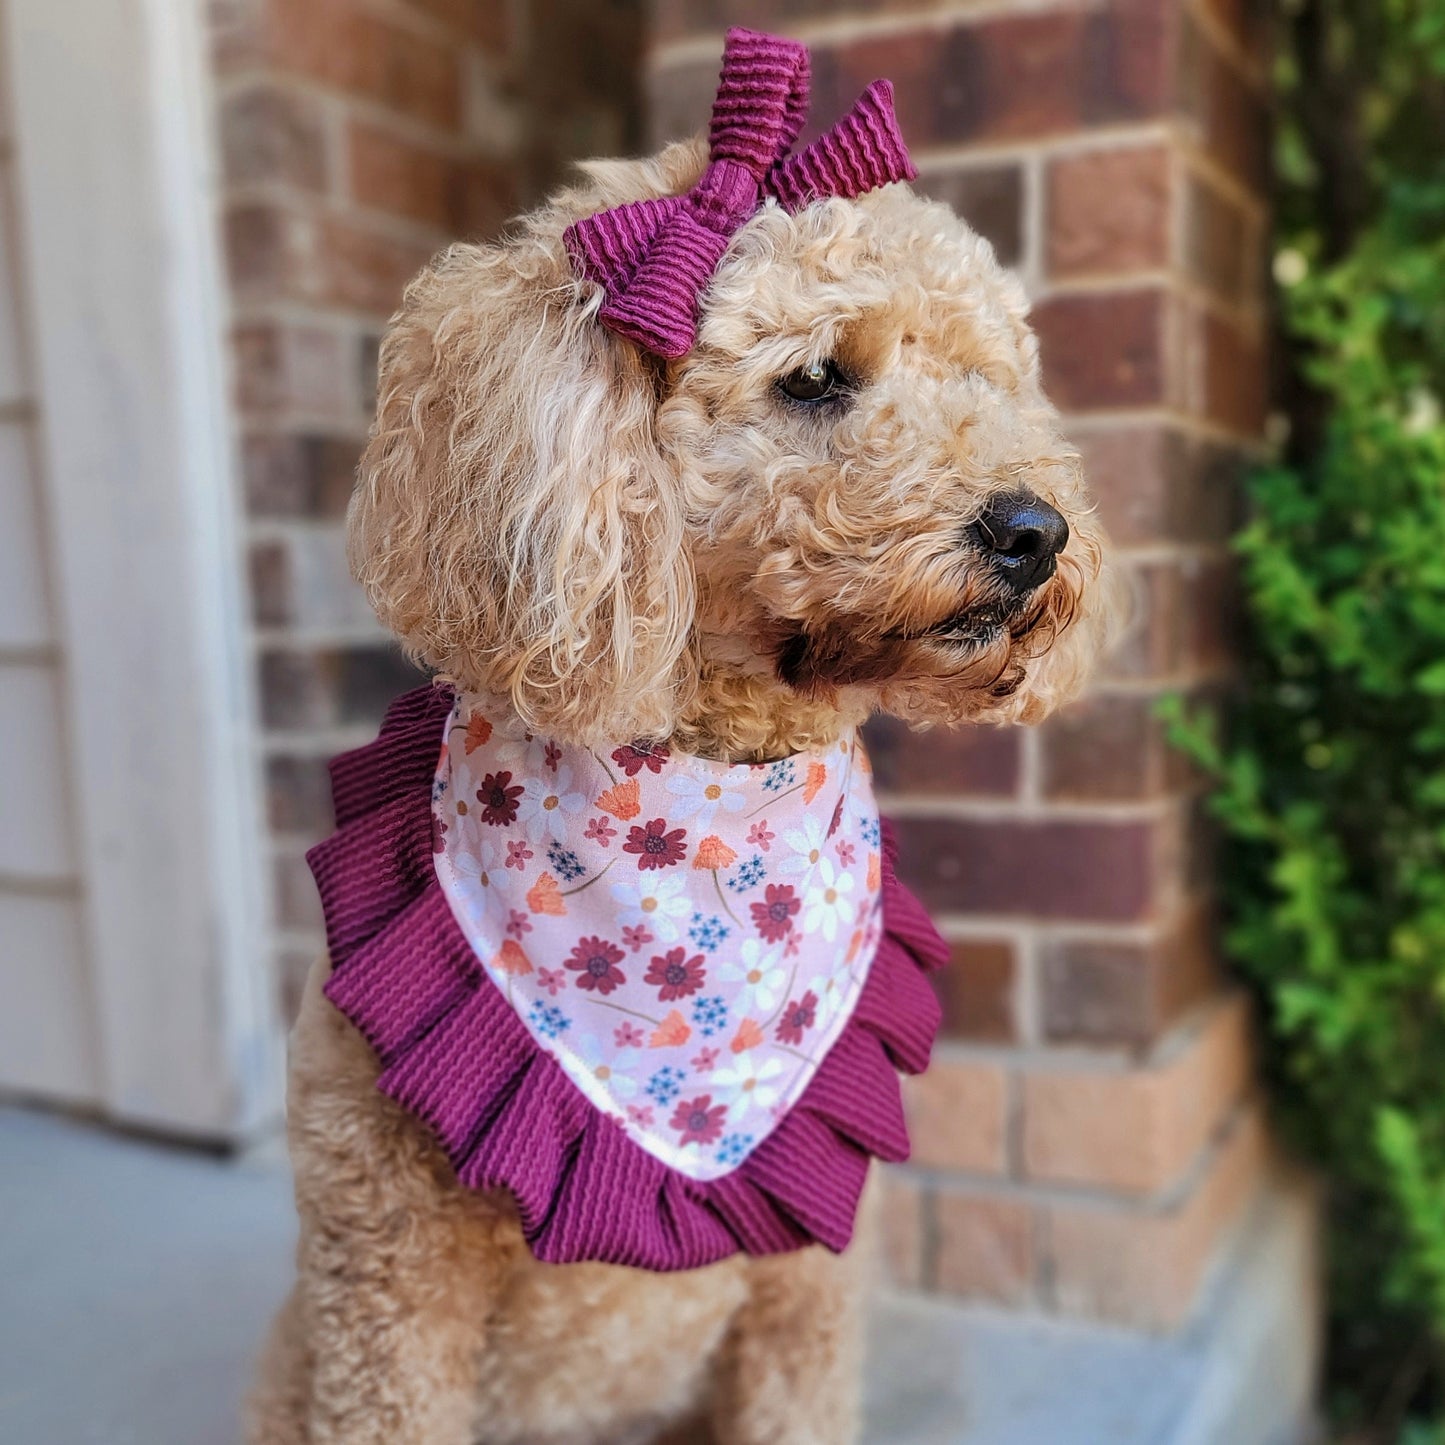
{"x":686,"y":938}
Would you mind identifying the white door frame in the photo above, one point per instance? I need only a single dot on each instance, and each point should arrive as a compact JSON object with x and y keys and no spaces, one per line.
{"x":115,"y":162}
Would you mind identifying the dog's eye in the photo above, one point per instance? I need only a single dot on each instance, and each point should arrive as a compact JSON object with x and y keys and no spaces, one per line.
{"x":818,"y":381}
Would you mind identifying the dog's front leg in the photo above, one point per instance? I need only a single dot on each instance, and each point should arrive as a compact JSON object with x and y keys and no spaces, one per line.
{"x":790,"y":1371}
{"x":397,"y":1266}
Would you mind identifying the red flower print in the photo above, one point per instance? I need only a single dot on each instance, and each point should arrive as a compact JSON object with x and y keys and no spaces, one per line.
{"x":698,"y":1120}
{"x":640,"y":1114}
{"x":518,"y":923}
{"x":594,"y":961}
{"x":438,"y":834}
{"x":635,"y":937}
{"x":628,"y":1036}
{"x":599,"y":830}
{"x":636,"y":756}
{"x":799,"y":1016}
{"x":517,"y":854}
{"x":845,"y":853}
{"x":705,"y":1060}
{"x":773,"y":918}
{"x":552,"y":755}
{"x":552,"y":979}
{"x":498,"y":797}
{"x":674,"y":975}
{"x":478,"y":731}
{"x":760,"y":835}
{"x":655,"y":846}
{"x":837,"y":816}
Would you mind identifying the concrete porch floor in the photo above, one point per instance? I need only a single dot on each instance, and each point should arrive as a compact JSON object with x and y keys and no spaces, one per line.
{"x":136,"y":1281}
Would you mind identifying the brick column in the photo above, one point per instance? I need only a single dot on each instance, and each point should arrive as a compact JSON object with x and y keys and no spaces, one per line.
{"x":1089,"y":1133}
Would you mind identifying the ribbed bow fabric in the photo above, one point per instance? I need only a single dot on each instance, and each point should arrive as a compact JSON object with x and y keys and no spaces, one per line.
{"x":655,"y":258}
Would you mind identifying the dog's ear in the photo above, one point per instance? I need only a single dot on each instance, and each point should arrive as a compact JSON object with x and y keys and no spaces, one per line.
{"x":514,"y":521}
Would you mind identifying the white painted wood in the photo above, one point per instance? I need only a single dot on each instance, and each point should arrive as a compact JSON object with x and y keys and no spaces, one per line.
{"x":25,"y":621}
{"x":35,"y":841}
{"x":51,"y":1051}
{"x":12,"y":368}
{"x":112,"y":124}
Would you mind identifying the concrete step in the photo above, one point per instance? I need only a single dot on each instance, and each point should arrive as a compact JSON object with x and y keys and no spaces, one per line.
{"x":136,"y":1281}
{"x":1243,"y":1372}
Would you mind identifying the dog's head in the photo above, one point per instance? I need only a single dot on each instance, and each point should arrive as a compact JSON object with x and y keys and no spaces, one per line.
{"x":851,"y":489}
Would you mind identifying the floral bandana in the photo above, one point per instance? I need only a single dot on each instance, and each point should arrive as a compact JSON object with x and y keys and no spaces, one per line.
{"x":686,"y":938}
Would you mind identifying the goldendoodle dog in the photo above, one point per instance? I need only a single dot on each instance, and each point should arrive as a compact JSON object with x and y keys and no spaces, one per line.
{"x":712,"y":457}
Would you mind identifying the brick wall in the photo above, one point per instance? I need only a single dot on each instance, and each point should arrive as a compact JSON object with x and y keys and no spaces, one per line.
{"x":357,"y":138}
{"x":1088,"y":1132}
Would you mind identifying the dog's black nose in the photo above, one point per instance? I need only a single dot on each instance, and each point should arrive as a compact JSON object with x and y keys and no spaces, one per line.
{"x":1021,"y":536}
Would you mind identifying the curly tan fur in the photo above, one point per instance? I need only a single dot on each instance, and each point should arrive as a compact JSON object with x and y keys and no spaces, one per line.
{"x":629,"y":548}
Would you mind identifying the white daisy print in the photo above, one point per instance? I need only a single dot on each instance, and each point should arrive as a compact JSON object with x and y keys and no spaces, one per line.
{"x":806,"y":845}
{"x":827,"y":904}
{"x":656,"y":900}
{"x":548,"y":806}
{"x":699,"y":798}
{"x":763,"y":978}
{"x":751,"y":1080}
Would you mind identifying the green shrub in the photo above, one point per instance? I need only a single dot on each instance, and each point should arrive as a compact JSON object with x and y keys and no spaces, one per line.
{"x":1329,"y":765}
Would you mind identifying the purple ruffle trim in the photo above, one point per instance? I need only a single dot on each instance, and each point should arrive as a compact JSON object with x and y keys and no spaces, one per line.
{"x":455,"y":1054}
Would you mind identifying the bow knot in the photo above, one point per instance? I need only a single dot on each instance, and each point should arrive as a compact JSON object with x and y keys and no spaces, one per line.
{"x":655,"y":258}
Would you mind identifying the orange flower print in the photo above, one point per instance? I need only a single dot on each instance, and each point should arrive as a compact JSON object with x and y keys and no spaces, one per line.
{"x":622,"y":801}
{"x":748,"y":1036}
{"x":712,"y":853}
{"x":875,"y":873}
{"x":511,"y":958}
{"x":813,"y":785}
{"x":479,"y":730}
{"x":670,"y":1033}
{"x":544,"y":896}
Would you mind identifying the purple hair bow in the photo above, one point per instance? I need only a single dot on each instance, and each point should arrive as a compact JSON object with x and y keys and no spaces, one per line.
{"x":655,"y":258}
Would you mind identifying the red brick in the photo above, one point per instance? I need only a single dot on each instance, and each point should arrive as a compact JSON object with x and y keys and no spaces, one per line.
{"x":981,"y":761}
{"x":957,"y":1116}
{"x":388,"y":172}
{"x":1062,"y":868}
{"x":298,"y":796}
{"x":282,"y":366}
{"x":304,"y":689}
{"x":903,"y":1205}
{"x":1143,"y":1267}
{"x":1129,"y":60}
{"x":366,"y":269}
{"x":989,"y":198}
{"x":1103,"y":350}
{"x":304,"y":474}
{"x":487,"y":22}
{"x":985,"y":1248}
{"x":297,"y":904}
{"x":1137,"y":1130}
{"x":978,"y":991}
{"x":1215,"y":239}
{"x":270,"y":135}
{"x":1105,"y":749}
{"x":345,"y":46}
{"x":1227,"y":115}
{"x":1183,"y":621}
{"x":270,"y":575}
{"x":1236,"y":384}
{"x":1109,"y":212}
{"x":1127,"y":993}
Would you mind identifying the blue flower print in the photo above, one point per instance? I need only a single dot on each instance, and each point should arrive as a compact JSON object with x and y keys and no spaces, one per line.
{"x":665,"y":1085}
{"x":748,"y":874}
{"x":710,"y":1014}
{"x":872,"y":835}
{"x":778,"y":776}
{"x":548,"y":1020}
{"x":734,"y":1149}
{"x":707,"y":931}
{"x":566,"y":862}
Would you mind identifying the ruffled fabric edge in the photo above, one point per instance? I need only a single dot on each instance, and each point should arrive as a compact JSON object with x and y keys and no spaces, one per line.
{"x":455,"y":1054}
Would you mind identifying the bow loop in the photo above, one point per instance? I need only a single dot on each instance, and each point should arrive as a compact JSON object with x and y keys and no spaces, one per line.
{"x":654,"y":258}
{"x":861,"y":152}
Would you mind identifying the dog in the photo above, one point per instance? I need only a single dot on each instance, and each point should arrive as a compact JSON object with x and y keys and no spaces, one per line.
{"x":848,"y":494}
